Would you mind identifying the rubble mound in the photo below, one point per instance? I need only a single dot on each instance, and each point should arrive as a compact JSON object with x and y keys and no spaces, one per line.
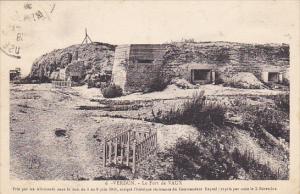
{"x":244,"y":80}
{"x":95,"y":56}
{"x":182,"y":83}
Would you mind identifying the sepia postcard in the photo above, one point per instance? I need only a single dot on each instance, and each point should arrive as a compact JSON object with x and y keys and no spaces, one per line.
{"x":150,"y":96}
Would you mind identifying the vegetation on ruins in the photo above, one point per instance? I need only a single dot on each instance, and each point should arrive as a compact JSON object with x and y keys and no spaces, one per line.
{"x":254,"y":167}
{"x":208,"y":159}
{"x":273,"y":121}
{"x":212,"y":156}
{"x":112,"y":91}
{"x":196,"y":111}
{"x":283,"y":102}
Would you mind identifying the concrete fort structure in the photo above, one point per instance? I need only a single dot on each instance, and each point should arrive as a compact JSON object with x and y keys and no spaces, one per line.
{"x":138,"y":66}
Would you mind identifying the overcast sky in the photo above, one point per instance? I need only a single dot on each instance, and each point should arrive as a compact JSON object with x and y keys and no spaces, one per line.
{"x":121,"y":22}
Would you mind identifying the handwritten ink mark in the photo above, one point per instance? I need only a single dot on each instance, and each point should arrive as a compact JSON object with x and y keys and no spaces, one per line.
{"x":52,"y":8}
{"x":10,"y":55}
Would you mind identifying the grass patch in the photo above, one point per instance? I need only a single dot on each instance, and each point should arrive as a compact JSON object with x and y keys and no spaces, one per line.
{"x":282,"y":101}
{"x":193,"y":161}
{"x":273,"y":121}
{"x":211,"y":160}
{"x":196,"y":111}
{"x":252,"y":166}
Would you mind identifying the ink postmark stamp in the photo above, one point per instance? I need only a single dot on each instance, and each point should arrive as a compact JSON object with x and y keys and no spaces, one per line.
{"x":16,"y":31}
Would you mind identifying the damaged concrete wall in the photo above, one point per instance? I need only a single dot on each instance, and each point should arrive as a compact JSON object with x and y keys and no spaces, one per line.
{"x":226,"y":58}
{"x":119,"y":71}
{"x":170,"y":71}
{"x":137,"y":66}
{"x":145,"y":63}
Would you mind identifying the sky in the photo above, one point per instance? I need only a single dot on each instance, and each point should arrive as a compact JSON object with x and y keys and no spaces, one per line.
{"x":122,"y":22}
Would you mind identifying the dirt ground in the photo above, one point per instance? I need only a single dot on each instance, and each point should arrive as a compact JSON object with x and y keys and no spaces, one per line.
{"x":37,"y":111}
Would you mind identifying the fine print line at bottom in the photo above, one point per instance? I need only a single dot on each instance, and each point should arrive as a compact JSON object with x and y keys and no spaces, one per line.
{"x":143,"y":189}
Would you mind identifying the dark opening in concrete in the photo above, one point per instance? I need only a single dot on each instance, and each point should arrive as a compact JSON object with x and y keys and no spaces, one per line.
{"x":75,"y":78}
{"x":144,"y":61}
{"x":273,"y":77}
{"x":201,"y":75}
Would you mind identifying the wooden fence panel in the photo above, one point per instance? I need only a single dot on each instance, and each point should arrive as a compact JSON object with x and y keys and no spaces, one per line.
{"x":59,"y":84}
{"x":125,"y":143}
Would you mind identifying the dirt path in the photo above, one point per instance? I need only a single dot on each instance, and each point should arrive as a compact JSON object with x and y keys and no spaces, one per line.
{"x":37,"y":111}
{"x":36,"y":151}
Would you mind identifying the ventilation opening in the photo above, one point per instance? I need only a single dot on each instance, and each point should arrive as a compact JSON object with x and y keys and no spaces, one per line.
{"x":273,"y":77}
{"x":144,"y":61}
{"x":201,"y":75}
{"x":75,"y":78}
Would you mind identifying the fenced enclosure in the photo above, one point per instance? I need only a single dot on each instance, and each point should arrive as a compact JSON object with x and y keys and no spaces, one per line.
{"x":59,"y":84}
{"x":129,"y":148}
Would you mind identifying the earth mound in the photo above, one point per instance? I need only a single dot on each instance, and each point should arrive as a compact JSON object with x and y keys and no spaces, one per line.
{"x":244,"y":80}
{"x":95,"y":56}
{"x":182,"y":83}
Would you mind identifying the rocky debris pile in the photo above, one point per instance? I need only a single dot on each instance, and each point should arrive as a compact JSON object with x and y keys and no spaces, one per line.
{"x":95,"y":56}
{"x":244,"y":80}
{"x":182,"y":83}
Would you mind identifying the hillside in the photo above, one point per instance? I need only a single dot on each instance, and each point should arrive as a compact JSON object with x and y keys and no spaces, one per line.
{"x":229,"y":55}
{"x":96,"y":56}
